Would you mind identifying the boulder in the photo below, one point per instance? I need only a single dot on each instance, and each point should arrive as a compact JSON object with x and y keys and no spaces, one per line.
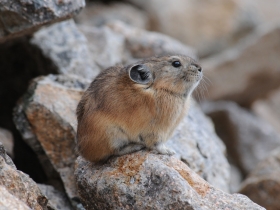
{"x":245,"y":73}
{"x":20,"y":186}
{"x":144,"y":180}
{"x":10,"y":202}
{"x":208,"y":26}
{"x":45,"y":117}
{"x":97,"y":14}
{"x":6,"y":138}
{"x":67,"y":48}
{"x":268,"y":108}
{"x":24,"y":17}
{"x":248,"y":138}
{"x":263,"y":184}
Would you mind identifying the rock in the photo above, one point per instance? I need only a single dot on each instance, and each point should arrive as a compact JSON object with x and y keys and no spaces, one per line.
{"x":45,"y":117}
{"x":10,"y":202}
{"x":24,"y":17}
{"x":143,"y":44}
{"x":208,"y":26}
{"x":20,"y":185}
{"x":144,"y":180}
{"x":263,"y":184}
{"x":248,"y":138}
{"x":97,"y":14}
{"x":245,"y":72}
{"x":268,"y":108}
{"x":56,"y":198}
{"x":6,"y":138}
{"x":67,"y":48}
{"x":235,"y":179}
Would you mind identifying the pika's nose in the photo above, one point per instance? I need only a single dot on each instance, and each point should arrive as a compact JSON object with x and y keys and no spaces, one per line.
{"x":196,"y":67}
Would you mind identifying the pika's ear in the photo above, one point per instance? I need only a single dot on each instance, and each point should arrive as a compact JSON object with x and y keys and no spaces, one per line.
{"x":140,"y":74}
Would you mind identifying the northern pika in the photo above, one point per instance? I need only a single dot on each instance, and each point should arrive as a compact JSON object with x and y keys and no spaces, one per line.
{"x":128,"y":108}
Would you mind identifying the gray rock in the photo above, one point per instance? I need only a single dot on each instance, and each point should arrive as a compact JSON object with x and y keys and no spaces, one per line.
{"x":263,"y":184}
{"x":45,"y":116}
{"x":97,"y":14}
{"x":6,"y":138}
{"x":144,"y":180}
{"x":56,"y":198}
{"x":67,"y":48}
{"x":19,"y":185}
{"x":245,"y":73}
{"x":24,"y":17}
{"x":248,"y":138}
{"x":10,"y":202}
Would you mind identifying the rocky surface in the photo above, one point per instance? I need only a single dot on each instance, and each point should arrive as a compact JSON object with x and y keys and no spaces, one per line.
{"x":24,"y":17}
{"x":208,"y":26}
{"x":263,"y":184}
{"x":144,"y":180}
{"x":268,"y":108}
{"x":67,"y":48}
{"x":45,"y":116}
{"x":248,"y":138}
{"x":97,"y":14}
{"x":245,"y":72}
{"x":19,"y":185}
{"x":6,"y":138}
{"x":57,"y":199}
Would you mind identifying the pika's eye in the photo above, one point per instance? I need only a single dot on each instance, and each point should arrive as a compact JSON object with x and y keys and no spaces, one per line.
{"x":176,"y":64}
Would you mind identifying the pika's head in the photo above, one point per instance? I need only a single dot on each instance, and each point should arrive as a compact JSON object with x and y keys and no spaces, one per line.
{"x":177,"y":74}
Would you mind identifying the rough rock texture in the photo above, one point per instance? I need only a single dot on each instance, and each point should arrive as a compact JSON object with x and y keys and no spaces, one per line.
{"x":245,"y":73}
{"x":19,"y":17}
{"x":67,"y":48}
{"x":263,"y":184}
{"x":99,"y":14}
{"x":45,"y":116}
{"x":19,"y":184}
{"x":10,"y":202}
{"x":268,"y":109}
{"x":6,"y":138}
{"x":144,"y":180}
{"x":56,"y":198}
{"x":143,"y":44}
{"x":209,"y":26}
{"x":248,"y":138}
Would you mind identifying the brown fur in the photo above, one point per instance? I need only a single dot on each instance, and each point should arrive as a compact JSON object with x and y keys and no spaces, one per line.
{"x":116,"y":112}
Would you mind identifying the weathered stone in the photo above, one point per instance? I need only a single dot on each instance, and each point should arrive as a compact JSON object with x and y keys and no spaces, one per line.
{"x":20,"y":185}
{"x":208,"y":26}
{"x":248,"y":138}
{"x":56,"y":198}
{"x":23,"y":17}
{"x":97,"y":14}
{"x":245,"y":72}
{"x":235,"y":179}
{"x":263,"y":184}
{"x":67,"y":48}
{"x":6,"y":138}
{"x":10,"y":202}
{"x":45,"y":116}
{"x":144,"y":180}
{"x":268,"y":108}
{"x":143,"y":44}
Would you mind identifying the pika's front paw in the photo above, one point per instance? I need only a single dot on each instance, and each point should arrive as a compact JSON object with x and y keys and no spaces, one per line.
{"x":162,"y":149}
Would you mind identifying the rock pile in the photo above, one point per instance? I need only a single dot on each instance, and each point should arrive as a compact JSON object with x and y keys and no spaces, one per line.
{"x":48,"y":62}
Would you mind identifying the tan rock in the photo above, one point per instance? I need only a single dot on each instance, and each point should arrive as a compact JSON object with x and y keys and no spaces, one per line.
{"x":245,"y":72}
{"x":19,"y":185}
{"x":6,"y":138}
{"x":144,"y":180}
{"x":24,"y":17}
{"x":263,"y":184}
{"x":268,"y":108}
{"x":97,"y":14}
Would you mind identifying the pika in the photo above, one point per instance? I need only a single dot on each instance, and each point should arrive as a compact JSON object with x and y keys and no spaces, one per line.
{"x":126,"y":109}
